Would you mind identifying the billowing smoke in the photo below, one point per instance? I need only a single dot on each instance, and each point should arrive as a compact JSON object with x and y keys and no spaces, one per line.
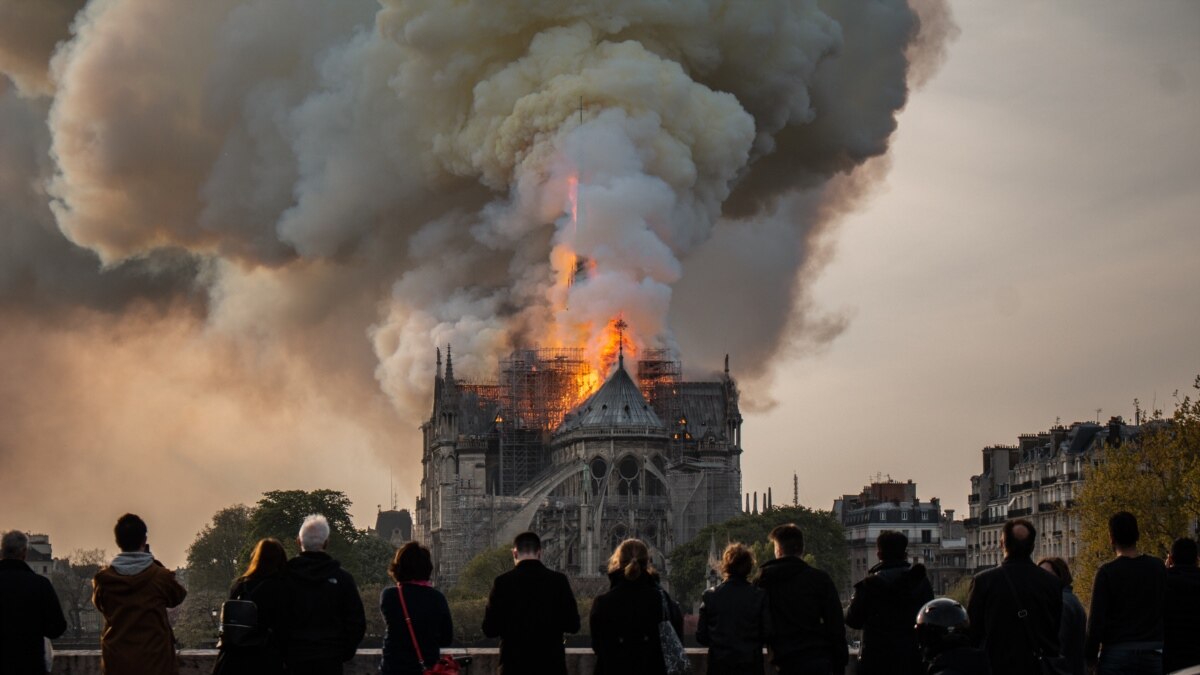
{"x":320,"y":191}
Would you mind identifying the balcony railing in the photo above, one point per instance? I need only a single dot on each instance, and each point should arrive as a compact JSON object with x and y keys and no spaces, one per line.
{"x":1017,"y":513}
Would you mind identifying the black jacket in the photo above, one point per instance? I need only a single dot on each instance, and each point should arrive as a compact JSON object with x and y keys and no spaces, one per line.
{"x":1181,"y":622}
{"x":806,"y":615}
{"x":1071,"y":633}
{"x":529,"y":609}
{"x":624,"y":624}
{"x":431,"y":623}
{"x":29,"y":612}
{"x":995,"y":625}
{"x":885,"y":607}
{"x":1128,"y":597}
{"x":272,"y":596}
{"x":735,"y":621}
{"x":961,"y":661}
{"x":327,"y":618}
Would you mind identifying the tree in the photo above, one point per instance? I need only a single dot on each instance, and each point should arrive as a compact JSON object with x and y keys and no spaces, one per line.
{"x":280,"y":513}
{"x":824,"y":545}
{"x":1156,"y":477}
{"x":221,"y":550}
{"x":72,"y":581}
{"x":369,"y":560}
{"x":476,"y":579}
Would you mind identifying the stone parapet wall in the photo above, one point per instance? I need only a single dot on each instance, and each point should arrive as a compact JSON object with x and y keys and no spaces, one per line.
{"x":484,"y":661}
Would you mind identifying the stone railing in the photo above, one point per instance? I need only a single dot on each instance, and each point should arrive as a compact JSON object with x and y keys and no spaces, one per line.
{"x":483,"y":661}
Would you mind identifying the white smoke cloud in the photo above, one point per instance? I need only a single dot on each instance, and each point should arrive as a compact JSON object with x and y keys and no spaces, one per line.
{"x":359,"y":181}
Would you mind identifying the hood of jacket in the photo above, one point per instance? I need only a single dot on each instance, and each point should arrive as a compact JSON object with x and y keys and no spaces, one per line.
{"x":313,"y":566}
{"x":118,"y":581}
{"x":781,"y":570}
{"x":129,"y":563}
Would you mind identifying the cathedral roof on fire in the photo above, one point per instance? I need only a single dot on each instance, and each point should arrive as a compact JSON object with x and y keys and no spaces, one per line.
{"x":618,"y":403}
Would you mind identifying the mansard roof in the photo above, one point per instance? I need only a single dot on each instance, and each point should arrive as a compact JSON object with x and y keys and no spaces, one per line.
{"x":618,"y":403}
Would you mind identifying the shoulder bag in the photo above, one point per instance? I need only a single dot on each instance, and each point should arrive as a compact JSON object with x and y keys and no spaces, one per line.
{"x":674,"y":657}
{"x":1047,"y":665}
{"x":445,"y":665}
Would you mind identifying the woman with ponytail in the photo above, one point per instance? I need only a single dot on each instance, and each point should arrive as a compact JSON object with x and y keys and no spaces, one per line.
{"x":624,"y":621}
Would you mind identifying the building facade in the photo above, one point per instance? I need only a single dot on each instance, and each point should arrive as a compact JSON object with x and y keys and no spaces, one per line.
{"x":1037,"y":479}
{"x":894,"y":505}
{"x":656,"y":457}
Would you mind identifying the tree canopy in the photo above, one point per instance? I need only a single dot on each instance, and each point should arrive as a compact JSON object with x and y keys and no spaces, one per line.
{"x":221,"y":550}
{"x":280,"y":512}
{"x":824,"y":545}
{"x":1156,"y":477}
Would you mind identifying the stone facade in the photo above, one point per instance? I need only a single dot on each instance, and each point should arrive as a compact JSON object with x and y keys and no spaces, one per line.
{"x":893,"y":505}
{"x":656,"y":458}
{"x":1037,"y":479}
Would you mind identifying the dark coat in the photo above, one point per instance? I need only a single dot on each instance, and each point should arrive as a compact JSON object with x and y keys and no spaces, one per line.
{"x":995,"y":626}
{"x":1072,"y":632}
{"x":806,"y":614}
{"x":961,"y":661}
{"x":529,"y":609}
{"x":29,"y":612}
{"x":327,"y":618}
{"x":735,"y":621}
{"x":431,"y":624}
{"x":272,"y":596}
{"x":624,"y":625}
{"x":1181,"y":622}
{"x":885,"y":607}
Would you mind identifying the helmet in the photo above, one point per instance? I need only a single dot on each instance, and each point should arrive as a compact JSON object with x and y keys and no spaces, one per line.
{"x":942,"y":624}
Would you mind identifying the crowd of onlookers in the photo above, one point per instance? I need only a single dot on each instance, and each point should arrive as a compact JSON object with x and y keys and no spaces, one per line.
{"x":304,"y":615}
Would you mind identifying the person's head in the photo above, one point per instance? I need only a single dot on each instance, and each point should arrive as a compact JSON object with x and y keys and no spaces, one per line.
{"x":632,"y":559}
{"x":14,"y":545}
{"x":527,"y":546}
{"x":1183,"y":553}
{"x":788,"y":540}
{"x":736,"y":562}
{"x":1123,"y":530}
{"x":1018,"y":538}
{"x":314,"y":533}
{"x":942,"y":624}
{"x":1059,"y":568}
{"x":268,"y":559}
{"x":130,"y":533}
{"x":891,"y":546}
{"x":411,"y":563}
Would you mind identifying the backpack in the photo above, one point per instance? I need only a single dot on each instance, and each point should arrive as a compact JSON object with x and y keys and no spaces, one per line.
{"x":239,"y":624}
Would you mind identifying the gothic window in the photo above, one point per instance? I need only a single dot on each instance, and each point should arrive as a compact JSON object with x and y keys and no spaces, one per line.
{"x":629,"y":473}
{"x":616,"y":535}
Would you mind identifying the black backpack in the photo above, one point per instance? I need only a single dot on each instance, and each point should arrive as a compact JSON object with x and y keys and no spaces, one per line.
{"x":239,"y":624}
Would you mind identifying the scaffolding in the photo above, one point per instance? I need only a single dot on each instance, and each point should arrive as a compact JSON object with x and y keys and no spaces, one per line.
{"x":540,"y":386}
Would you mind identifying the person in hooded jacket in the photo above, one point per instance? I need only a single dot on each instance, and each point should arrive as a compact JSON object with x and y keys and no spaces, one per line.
{"x":133,"y":594}
{"x":422,"y":609}
{"x":1181,"y":620}
{"x":1072,"y":630}
{"x":808,"y":632}
{"x":735,"y":618}
{"x":327,"y":617}
{"x":624,"y":621}
{"x":265,"y":584}
{"x":884,"y":606}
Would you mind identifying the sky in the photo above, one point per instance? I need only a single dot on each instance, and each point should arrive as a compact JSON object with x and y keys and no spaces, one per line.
{"x":1024,"y":251}
{"x":1030,"y":258}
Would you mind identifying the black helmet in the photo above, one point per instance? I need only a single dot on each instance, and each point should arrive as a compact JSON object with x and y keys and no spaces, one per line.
{"x":942,"y":624}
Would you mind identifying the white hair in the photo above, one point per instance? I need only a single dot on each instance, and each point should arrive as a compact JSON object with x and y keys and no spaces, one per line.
{"x":314,"y":533}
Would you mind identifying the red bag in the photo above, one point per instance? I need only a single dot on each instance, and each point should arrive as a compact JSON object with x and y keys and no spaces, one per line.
{"x":445,"y":665}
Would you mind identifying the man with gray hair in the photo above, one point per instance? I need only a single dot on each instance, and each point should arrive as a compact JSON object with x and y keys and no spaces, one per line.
{"x":29,"y":610}
{"x":328,"y":620}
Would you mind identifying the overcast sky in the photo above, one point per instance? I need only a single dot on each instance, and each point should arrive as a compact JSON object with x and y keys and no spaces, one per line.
{"x":1033,"y":256}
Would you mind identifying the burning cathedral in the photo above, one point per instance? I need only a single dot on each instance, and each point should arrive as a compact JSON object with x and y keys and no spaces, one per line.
{"x":644,"y":454}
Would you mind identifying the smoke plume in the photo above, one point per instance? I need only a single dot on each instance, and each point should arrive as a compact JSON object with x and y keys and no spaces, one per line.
{"x":272,"y":203}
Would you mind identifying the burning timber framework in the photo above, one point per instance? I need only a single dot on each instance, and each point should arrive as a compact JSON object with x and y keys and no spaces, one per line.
{"x":658,"y":459}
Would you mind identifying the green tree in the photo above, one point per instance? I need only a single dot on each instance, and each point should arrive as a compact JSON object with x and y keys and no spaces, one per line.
{"x":824,"y":545}
{"x":72,"y":581}
{"x":369,"y":560}
{"x":221,"y":550}
{"x":280,"y":513}
{"x":476,"y":578}
{"x":1156,"y":477}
